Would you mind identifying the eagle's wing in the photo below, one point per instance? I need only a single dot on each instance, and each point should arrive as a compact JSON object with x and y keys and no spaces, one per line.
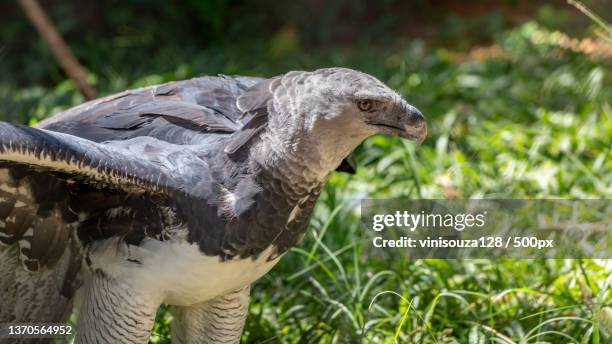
{"x":181,"y":112}
{"x":42,"y":173}
{"x":98,"y":164}
{"x":55,"y":187}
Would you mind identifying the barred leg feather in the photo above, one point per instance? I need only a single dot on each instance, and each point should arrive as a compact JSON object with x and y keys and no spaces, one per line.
{"x":220,"y":320}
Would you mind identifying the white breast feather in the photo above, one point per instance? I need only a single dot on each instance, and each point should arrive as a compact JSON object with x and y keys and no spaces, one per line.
{"x":176,"y":272}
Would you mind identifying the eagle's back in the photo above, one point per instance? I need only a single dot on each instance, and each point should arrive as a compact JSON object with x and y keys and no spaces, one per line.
{"x":180,"y":112}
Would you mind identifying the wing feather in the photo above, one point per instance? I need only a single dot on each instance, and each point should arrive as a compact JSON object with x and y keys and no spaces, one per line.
{"x":49,"y":180}
{"x":253,"y":103}
{"x":177,"y":112}
{"x":96,"y":163}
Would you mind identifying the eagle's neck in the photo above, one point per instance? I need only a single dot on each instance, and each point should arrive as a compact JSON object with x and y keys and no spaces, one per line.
{"x":289,"y":187}
{"x":260,"y":198}
{"x":298,"y":163}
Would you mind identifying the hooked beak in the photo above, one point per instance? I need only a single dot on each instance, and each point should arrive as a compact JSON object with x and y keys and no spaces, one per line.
{"x":405,"y":120}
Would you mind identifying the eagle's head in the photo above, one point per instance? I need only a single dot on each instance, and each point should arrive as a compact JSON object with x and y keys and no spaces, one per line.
{"x":321,"y":116}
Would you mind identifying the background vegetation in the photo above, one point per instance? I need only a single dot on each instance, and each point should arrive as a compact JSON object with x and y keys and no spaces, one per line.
{"x":517,"y":96}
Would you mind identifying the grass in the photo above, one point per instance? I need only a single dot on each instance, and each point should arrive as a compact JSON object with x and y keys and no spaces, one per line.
{"x":524,"y":118}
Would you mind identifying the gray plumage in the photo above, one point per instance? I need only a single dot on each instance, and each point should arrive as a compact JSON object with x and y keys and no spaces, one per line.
{"x":212,"y":178}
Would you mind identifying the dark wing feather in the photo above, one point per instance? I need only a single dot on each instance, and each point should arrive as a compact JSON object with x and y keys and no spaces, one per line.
{"x":253,"y":103}
{"x":258,"y":96}
{"x":96,"y":163}
{"x":255,"y":124}
{"x":182,"y":112}
{"x":186,"y":115}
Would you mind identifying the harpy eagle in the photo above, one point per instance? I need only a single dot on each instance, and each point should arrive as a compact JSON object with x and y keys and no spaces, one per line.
{"x":183,"y":193}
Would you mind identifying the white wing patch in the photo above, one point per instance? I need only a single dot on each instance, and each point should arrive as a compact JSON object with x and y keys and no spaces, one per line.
{"x":228,"y":205}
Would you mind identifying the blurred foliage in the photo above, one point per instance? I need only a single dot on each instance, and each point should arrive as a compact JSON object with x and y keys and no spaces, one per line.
{"x":512,"y":112}
{"x":122,"y":41}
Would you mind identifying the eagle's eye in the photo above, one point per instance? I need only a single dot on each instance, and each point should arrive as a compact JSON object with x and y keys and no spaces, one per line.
{"x":365,"y":105}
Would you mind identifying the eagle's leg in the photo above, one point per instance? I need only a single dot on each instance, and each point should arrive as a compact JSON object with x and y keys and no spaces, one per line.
{"x":220,"y":320}
{"x":112,"y":312}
